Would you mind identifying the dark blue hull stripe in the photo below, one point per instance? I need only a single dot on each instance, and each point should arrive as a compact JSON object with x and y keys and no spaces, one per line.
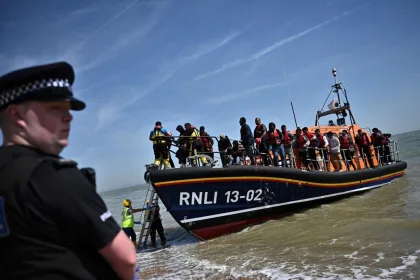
{"x":361,"y":188}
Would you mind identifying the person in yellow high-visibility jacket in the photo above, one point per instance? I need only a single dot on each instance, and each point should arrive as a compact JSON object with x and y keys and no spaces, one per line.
{"x":159,"y":137}
{"x":128,"y":222}
{"x":194,"y":142}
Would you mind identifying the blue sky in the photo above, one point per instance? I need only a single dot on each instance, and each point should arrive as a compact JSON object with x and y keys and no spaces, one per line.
{"x":211,"y":62}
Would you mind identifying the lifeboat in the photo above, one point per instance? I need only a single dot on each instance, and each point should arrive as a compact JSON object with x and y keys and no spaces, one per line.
{"x":210,"y":202}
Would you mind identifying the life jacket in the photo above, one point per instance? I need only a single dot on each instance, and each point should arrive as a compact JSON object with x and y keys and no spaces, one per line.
{"x":385,"y":140}
{"x":309,"y":135}
{"x":321,"y":140}
{"x":313,"y":142}
{"x":287,"y":141}
{"x":300,"y":141}
{"x":362,"y":140}
{"x":273,"y":137}
{"x":127,"y":219}
{"x":194,"y":136}
{"x":157,"y":132}
{"x":207,"y":141}
{"x":344,"y":142}
{"x":258,"y":131}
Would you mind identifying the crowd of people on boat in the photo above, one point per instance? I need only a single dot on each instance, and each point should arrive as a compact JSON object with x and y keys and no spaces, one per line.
{"x":270,"y":147}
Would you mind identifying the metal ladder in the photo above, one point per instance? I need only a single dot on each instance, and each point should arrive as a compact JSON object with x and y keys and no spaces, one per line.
{"x":153,"y":198}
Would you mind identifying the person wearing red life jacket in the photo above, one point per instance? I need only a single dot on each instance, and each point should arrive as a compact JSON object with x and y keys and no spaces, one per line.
{"x":287,"y":147}
{"x":301,"y":144}
{"x":260,"y":132}
{"x":207,"y":142}
{"x":323,"y":148}
{"x":347,"y":149}
{"x":312,"y":147}
{"x":273,"y":139}
{"x":363,"y":143}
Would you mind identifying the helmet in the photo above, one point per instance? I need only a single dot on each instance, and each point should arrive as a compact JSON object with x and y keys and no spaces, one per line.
{"x":127,"y":203}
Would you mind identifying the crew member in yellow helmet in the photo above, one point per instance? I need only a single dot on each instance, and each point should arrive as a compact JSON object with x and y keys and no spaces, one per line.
{"x":128,"y":220}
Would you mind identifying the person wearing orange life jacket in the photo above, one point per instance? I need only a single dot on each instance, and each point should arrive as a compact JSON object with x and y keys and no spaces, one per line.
{"x":273,"y":138}
{"x":160,"y":146}
{"x":347,"y":149}
{"x":363,"y":143}
{"x":260,"y":132}
{"x":207,"y":142}
{"x":313,"y":145}
{"x":323,"y":147}
{"x":194,"y":142}
{"x":287,"y":146}
{"x":376,"y":141}
{"x":301,"y":144}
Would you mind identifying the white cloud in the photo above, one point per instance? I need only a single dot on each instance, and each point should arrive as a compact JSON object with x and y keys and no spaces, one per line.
{"x":237,"y":95}
{"x":210,"y":47}
{"x":78,"y":46}
{"x":125,"y":39}
{"x":270,"y":48}
{"x":111,"y":111}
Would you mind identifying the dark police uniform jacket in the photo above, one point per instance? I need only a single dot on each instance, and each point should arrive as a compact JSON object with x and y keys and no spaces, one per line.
{"x":52,"y":221}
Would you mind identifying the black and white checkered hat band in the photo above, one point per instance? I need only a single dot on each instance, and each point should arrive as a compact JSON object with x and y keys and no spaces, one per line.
{"x":10,"y":95}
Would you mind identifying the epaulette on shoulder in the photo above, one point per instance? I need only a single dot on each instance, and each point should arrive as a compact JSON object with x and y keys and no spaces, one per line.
{"x":62,"y":162}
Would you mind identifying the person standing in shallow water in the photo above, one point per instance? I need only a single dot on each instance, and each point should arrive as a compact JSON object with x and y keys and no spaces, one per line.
{"x":53,"y":223}
{"x":156,"y":224}
{"x":128,"y":222}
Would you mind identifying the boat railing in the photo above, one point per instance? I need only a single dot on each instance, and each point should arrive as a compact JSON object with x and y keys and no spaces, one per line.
{"x":383,"y":154}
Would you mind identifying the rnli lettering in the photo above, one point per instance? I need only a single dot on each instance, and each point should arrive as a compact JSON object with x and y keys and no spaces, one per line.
{"x":186,"y":198}
{"x":250,"y":195}
{"x":199,"y":198}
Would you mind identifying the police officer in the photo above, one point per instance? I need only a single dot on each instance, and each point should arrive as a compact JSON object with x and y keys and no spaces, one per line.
{"x":53,"y":224}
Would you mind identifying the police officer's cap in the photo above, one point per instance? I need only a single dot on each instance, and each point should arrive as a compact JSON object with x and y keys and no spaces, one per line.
{"x":48,"y":82}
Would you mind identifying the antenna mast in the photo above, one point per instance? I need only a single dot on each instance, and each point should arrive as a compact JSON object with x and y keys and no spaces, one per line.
{"x":339,"y":110}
